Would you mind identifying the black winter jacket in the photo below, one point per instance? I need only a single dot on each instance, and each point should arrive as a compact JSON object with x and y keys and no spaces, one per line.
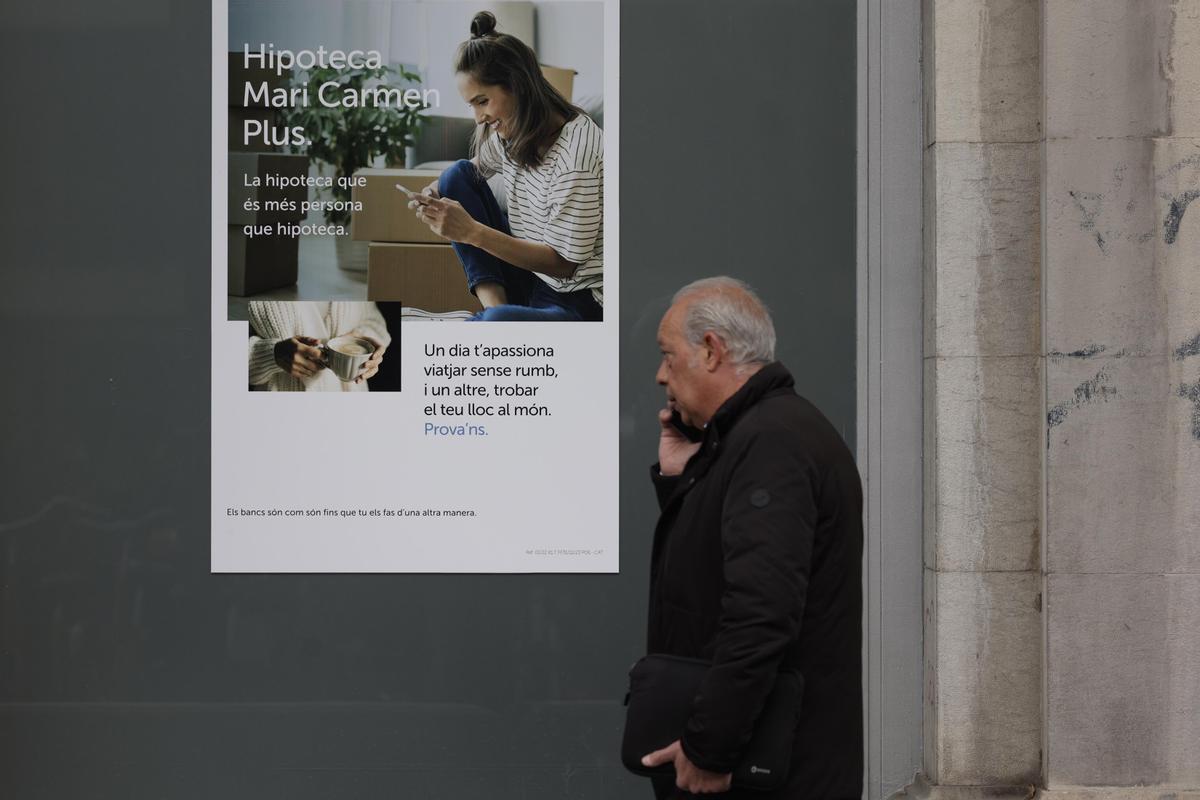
{"x":757,"y":562}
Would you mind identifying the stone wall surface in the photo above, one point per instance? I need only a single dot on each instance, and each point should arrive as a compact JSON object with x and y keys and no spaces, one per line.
{"x":985,"y":618}
{"x":1122,"y":689}
{"x":984,"y":72}
{"x":1062,"y":395}
{"x":1122,"y":333}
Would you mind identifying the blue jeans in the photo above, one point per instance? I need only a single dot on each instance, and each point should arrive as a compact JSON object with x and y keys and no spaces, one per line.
{"x":530,"y":298}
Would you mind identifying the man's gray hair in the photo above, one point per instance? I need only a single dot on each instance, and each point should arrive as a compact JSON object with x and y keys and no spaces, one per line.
{"x":731,"y":310}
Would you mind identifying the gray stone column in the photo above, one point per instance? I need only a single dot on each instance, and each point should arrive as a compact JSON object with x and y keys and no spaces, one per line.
{"x":983,"y":628}
{"x":1062,"y":370}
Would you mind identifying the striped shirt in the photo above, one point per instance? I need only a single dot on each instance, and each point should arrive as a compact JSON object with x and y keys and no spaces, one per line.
{"x":559,"y":203}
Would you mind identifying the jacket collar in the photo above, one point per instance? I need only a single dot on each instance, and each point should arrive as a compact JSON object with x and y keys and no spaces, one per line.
{"x":771,"y":377}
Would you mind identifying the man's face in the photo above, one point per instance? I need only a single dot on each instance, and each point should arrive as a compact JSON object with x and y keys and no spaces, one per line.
{"x":682,"y":370}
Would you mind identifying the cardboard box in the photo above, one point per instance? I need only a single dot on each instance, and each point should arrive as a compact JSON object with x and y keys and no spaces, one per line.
{"x":443,"y":139}
{"x":244,"y":167}
{"x":237,"y":118}
{"x":261,"y":263}
{"x":386,"y":216}
{"x":240,"y":75}
{"x":425,"y":276}
{"x":561,"y":79}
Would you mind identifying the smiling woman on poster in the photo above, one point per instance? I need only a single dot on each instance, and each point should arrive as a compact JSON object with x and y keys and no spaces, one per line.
{"x":544,"y":259}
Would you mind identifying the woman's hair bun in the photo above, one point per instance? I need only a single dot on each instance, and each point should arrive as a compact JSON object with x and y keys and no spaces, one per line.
{"x":482,"y":24}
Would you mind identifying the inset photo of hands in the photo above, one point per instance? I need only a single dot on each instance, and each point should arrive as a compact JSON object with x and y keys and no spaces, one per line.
{"x":321,"y":346}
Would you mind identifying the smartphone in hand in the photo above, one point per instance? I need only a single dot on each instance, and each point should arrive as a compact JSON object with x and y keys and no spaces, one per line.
{"x":688,"y":432}
{"x":411,"y":195}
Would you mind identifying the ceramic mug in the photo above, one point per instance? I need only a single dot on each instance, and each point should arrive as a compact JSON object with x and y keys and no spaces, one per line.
{"x":346,"y":355}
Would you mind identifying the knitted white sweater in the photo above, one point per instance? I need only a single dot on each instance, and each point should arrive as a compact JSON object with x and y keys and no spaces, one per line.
{"x":273,"y":321}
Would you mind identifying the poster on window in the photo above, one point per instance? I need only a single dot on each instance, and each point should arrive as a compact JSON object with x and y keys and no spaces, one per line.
{"x":414,"y":286}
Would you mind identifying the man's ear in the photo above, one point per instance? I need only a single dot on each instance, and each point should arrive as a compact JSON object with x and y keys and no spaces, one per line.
{"x":714,"y":351}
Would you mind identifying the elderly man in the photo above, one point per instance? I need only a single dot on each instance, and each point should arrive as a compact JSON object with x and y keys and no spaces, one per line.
{"x":757,"y":554}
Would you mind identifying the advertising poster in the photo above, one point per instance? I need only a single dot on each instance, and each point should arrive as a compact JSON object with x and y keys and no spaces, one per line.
{"x":414,"y":286}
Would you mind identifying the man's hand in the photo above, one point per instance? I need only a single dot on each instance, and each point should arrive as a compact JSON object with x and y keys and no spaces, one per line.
{"x":688,"y":776}
{"x":674,"y":449}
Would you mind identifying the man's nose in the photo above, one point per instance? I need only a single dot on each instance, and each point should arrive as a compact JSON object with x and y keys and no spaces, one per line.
{"x":660,"y":377}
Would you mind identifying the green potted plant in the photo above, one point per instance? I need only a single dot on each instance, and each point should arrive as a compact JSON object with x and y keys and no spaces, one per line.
{"x":348,"y":139}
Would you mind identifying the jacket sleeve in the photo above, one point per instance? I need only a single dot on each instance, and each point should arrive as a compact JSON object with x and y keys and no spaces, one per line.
{"x":262,"y":360}
{"x":664,"y":485}
{"x":767,"y":527}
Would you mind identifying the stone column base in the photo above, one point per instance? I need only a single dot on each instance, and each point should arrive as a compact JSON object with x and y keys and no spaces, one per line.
{"x":922,"y":789}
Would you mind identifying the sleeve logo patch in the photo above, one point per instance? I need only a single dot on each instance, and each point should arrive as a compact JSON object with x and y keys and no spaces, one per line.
{"x":760,"y":498}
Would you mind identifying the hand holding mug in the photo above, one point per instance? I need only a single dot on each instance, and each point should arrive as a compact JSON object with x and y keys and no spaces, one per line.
{"x":299,"y":356}
{"x":352,"y":358}
{"x":372,"y":365}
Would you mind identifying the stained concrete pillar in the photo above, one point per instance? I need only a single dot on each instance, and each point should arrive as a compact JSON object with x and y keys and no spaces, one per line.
{"x":983,"y":636}
{"x":1062,"y":369}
